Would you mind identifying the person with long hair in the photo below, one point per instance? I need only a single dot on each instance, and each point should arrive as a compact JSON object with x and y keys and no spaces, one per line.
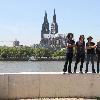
{"x":69,"y":53}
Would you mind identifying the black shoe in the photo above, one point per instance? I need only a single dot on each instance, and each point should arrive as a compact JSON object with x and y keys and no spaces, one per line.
{"x":70,"y":72}
{"x":86,"y":71}
{"x":93,"y":72}
{"x":81,"y":72}
{"x":65,"y":69}
{"x":74,"y":72}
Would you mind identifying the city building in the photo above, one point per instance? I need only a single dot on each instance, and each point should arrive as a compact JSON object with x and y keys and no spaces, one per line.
{"x":16,"y":43}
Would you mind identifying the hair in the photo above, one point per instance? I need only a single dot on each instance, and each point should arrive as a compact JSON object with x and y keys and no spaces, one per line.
{"x":70,"y":34}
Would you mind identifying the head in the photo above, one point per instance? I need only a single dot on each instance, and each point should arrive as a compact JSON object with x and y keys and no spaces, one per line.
{"x":81,"y":38}
{"x":70,"y":36}
{"x":89,"y":39}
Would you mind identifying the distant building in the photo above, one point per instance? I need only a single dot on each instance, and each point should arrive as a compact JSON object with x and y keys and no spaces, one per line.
{"x":51,"y":38}
{"x":16,"y":43}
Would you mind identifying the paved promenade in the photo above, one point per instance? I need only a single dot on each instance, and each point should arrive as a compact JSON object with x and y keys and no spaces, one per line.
{"x":57,"y":99}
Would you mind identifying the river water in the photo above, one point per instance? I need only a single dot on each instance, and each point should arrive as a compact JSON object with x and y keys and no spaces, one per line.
{"x":35,"y":66}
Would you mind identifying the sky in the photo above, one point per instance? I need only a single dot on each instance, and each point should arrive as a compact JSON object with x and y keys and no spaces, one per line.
{"x":22,"y":19}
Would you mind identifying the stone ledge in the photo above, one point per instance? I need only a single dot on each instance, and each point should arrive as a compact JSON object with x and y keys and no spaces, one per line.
{"x":49,"y":84}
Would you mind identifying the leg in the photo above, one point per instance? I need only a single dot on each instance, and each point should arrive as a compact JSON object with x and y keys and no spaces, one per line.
{"x":87,"y":62}
{"x":77,"y":61}
{"x":66,"y":63}
{"x":82,"y":61}
{"x":98,"y":60}
{"x":92,"y":61}
{"x":70,"y":61}
{"x":69,"y":66}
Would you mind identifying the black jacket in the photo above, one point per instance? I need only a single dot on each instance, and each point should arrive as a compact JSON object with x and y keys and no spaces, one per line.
{"x":98,"y":48}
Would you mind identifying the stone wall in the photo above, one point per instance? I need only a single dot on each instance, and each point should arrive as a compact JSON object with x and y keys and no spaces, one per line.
{"x":35,"y":85}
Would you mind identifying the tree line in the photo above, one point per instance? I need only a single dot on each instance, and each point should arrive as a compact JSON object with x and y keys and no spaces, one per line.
{"x":26,"y":52}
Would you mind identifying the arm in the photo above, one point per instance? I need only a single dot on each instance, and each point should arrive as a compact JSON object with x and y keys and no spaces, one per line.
{"x":71,"y":45}
{"x":93,"y":46}
{"x":90,"y":47}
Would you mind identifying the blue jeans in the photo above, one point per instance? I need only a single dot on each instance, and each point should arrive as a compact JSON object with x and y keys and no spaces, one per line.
{"x":90,"y":57}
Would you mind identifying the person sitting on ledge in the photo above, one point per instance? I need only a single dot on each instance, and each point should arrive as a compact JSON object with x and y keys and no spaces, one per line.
{"x":90,"y":47}
{"x":69,"y":52}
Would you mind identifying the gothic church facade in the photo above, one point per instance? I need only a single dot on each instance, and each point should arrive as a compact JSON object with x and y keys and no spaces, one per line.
{"x":50,"y":37}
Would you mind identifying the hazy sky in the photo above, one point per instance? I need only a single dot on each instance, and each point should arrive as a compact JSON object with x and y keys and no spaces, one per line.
{"x":22,"y":19}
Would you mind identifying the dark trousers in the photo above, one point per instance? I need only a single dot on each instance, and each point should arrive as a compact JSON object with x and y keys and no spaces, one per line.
{"x":98,"y":61}
{"x":79,"y":57}
{"x":90,"y":57}
{"x":69,"y":57}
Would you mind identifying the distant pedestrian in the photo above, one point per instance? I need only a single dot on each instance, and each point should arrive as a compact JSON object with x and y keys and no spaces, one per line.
{"x":69,"y":53}
{"x":80,"y":53}
{"x":98,"y":55}
{"x":90,"y":46}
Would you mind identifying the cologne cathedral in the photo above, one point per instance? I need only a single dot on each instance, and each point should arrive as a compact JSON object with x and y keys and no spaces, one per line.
{"x":50,"y":37}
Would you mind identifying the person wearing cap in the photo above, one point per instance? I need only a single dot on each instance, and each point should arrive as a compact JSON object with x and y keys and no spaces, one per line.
{"x":98,"y":55}
{"x":69,"y":53}
{"x":80,"y":53}
{"x":90,"y":47}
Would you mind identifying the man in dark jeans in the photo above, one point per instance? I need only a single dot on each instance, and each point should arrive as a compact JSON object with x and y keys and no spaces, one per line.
{"x":98,"y":55}
{"x":69,"y":53}
{"x":90,"y":46}
{"x":80,"y":55}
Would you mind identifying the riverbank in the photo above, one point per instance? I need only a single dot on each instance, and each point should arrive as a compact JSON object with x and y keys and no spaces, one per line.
{"x":39,"y":59}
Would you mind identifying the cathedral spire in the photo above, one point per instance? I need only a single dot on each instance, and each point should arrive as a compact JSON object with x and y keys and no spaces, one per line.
{"x":54,"y":17}
{"x":45,"y":17}
{"x":54,"y":26}
{"x":45,"y":26}
{"x":45,"y":14}
{"x":54,"y":11}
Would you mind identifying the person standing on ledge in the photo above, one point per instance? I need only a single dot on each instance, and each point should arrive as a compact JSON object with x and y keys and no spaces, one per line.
{"x":69,"y":52}
{"x":90,"y":46}
{"x":80,"y":53}
{"x":98,"y":55}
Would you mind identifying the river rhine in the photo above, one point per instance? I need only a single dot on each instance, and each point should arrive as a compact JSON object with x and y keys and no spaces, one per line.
{"x":35,"y":66}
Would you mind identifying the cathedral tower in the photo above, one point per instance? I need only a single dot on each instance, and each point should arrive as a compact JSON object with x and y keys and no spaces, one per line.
{"x":45,"y":26}
{"x":54,"y":25}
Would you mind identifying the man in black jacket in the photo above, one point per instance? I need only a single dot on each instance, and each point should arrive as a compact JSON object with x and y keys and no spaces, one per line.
{"x":98,"y":55}
{"x":90,"y":46}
